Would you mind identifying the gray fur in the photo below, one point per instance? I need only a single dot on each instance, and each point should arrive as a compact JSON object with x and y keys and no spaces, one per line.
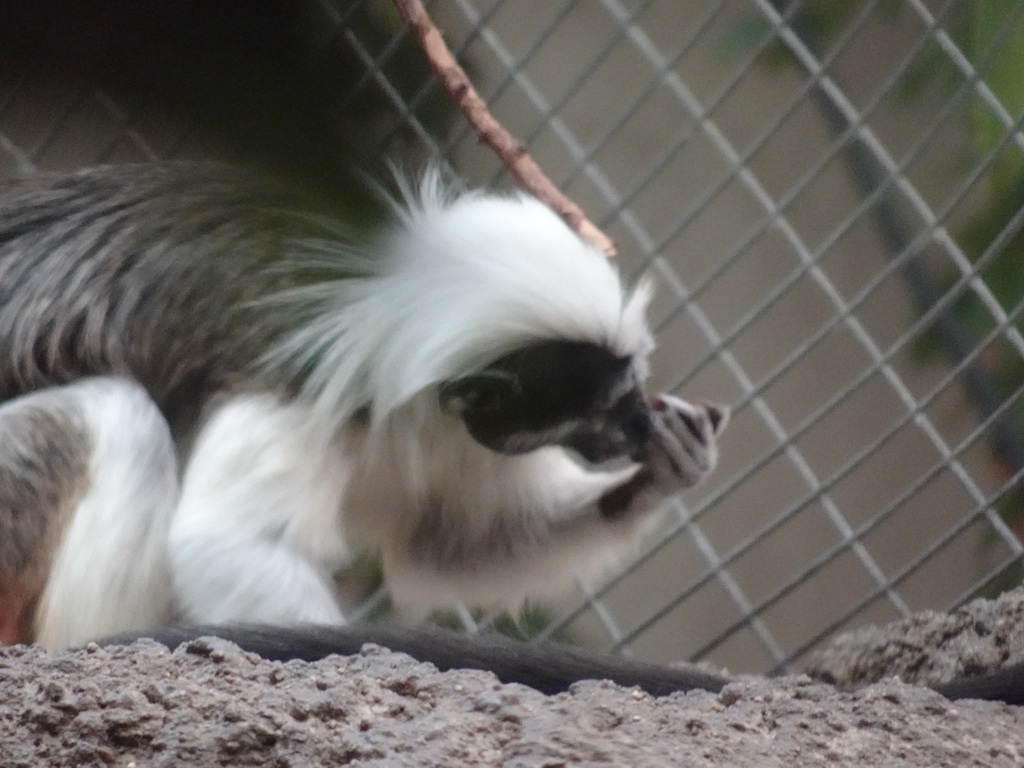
{"x":138,"y":271}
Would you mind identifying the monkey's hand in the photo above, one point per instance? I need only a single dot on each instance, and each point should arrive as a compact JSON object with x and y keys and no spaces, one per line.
{"x":684,"y":441}
{"x":682,"y":451}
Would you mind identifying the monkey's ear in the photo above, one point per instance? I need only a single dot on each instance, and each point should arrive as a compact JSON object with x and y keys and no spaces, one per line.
{"x":484,"y":392}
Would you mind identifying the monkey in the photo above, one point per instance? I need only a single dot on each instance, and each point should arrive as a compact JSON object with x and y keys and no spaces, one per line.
{"x":214,"y":394}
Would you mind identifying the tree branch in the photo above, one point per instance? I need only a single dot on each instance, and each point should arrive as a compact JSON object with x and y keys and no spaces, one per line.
{"x":511,"y":151}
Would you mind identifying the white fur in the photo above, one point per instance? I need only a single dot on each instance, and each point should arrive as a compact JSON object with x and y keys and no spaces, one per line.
{"x":544,"y":503}
{"x":110,"y":572}
{"x":458,"y":282}
{"x":266,"y":518}
{"x":259,"y":532}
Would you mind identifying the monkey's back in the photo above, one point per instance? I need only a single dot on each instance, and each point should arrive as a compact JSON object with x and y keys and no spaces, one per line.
{"x":145,"y":271}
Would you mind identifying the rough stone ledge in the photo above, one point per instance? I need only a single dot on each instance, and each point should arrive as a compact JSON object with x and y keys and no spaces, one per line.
{"x":209,"y":703}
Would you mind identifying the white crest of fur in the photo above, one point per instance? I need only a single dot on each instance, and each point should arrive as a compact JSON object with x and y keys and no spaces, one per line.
{"x":461,"y":280}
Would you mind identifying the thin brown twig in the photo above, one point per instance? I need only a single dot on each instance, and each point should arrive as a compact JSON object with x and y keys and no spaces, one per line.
{"x":511,"y":151}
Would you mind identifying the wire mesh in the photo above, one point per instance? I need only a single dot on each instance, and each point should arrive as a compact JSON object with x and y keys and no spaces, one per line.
{"x":805,"y":183}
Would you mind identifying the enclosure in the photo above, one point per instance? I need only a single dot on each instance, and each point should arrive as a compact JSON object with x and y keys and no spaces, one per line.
{"x":830,"y":199}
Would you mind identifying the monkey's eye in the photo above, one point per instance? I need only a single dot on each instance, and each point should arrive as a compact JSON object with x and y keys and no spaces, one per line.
{"x":483,"y":393}
{"x":484,"y":398}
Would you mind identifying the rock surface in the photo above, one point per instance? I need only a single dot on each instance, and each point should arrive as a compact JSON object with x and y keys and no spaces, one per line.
{"x":210,"y":704}
{"x":928,"y":647}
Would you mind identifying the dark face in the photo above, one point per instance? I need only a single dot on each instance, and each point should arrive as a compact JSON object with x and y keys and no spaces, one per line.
{"x":568,"y":393}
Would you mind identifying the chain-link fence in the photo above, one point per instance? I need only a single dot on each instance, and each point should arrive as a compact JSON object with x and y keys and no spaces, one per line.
{"x":830,"y":197}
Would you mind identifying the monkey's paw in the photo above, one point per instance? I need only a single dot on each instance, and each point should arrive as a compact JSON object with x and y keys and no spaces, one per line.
{"x":683,"y":448}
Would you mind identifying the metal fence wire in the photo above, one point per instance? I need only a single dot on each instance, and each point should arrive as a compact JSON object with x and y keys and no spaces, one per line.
{"x":830,"y":197}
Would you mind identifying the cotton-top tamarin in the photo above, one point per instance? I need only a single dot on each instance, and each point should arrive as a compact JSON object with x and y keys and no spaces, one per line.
{"x":213,"y":395}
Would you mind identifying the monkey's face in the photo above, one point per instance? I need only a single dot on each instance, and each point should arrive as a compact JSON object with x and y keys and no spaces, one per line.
{"x":574,"y":394}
